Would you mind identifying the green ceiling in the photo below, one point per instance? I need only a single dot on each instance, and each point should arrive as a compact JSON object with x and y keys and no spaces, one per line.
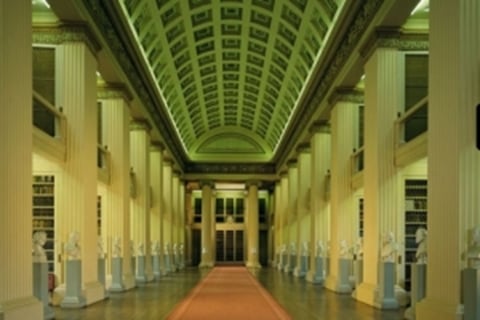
{"x":229,"y":72}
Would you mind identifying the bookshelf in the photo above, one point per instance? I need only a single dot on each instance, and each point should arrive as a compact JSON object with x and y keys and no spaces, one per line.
{"x":44,"y":213}
{"x":415,"y":217}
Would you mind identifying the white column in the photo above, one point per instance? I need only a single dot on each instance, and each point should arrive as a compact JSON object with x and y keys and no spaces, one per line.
{"x":175,"y":215}
{"x":320,"y":164}
{"x":253,"y":225}
{"x":284,"y":218}
{"x":156,"y":200}
{"x":189,"y":223}
{"x":342,"y":213}
{"x":140,"y":208}
{"x":182,"y":221}
{"x":16,"y":290}
{"x":303,"y":207}
{"x":382,"y":97}
{"x":291,"y":228}
{"x":76,"y":205}
{"x":167,"y":212}
{"x":207,"y":247}
{"x":116,"y":134}
{"x":453,"y":160}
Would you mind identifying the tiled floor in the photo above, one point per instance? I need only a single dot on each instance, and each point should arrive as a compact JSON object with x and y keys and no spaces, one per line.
{"x":156,"y":299}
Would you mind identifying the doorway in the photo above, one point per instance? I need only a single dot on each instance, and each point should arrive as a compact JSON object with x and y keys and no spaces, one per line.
{"x":229,"y":247}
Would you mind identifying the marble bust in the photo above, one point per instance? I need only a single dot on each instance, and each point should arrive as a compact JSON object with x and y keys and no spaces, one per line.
{"x":319,"y":250}
{"x":156,"y":248}
{"x":421,"y":240}
{"x":72,"y":247}
{"x":389,"y":247}
{"x":100,"y":251}
{"x":359,"y":248}
{"x":39,"y":240}
{"x":306,"y":250}
{"x":117,"y":248}
{"x":141,"y":249}
{"x":473,"y":251}
{"x":343,"y":251}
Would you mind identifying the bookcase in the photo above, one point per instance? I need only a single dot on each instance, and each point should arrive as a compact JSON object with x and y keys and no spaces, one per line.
{"x":360,"y":217}
{"x":99,"y":215}
{"x":415,"y":217}
{"x":44,"y":213}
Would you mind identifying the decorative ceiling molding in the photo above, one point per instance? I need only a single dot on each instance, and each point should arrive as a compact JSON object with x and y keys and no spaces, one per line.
{"x":230,"y":168}
{"x":63,"y":32}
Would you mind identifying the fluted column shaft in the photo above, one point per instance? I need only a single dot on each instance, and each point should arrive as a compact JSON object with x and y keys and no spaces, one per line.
{"x":341,"y":221}
{"x":167,"y":205}
{"x":292,"y":213}
{"x":303,"y":205}
{"x":140,"y":213}
{"x":380,"y":175}
{"x":181,"y":213}
{"x":320,"y":164}
{"x":453,"y":161}
{"x":76,"y":204}
{"x":284,"y":209}
{"x":175,"y":209}
{"x":156,"y":183}
{"x":116,"y":135}
{"x":16,"y":170}
{"x":207,"y":212}
{"x":253,"y":226}
{"x":189,"y":223}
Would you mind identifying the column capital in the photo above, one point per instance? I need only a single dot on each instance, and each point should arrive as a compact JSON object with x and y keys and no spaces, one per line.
{"x":66,"y":32}
{"x":292,"y":163}
{"x":394,"y":38}
{"x":205,"y":183}
{"x":303,"y":147}
{"x":320,"y":126}
{"x":114,"y":91}
{"x":346,"y":94}
{"x":157,"y":146}
{"x":140,"y":124}
{"x":251,"y":183}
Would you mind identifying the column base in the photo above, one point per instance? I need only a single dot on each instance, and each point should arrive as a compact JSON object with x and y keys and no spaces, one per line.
{"x":254,"y":265}
{"x":205,"y":264}
{"x":299,"y":273}
{"x":314,"y":277}
{"x":366,"y":293}
{"x":128,"y":281}
{"x":22,"y":308}
{"x":94,"y":291}
{"x":429,"y":309}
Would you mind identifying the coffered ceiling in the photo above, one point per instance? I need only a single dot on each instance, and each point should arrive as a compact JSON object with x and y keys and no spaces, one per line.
{"x":230,"y":73}
{"x":229,"y":82}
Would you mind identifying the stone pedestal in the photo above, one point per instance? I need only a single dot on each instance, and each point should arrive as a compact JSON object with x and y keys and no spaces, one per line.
{"x":157,"y":272}
{"x":141,"y":276}
{"x":168,"y":263}
{"x":73,"y":286}
{"x":419,"y":280}
{"x":358,"y":271}
{"x":117,"y":271}
{"x":134,"y":265}
{"x":101,"y":274}
{"x":386,"y":295}
{"x":316,"y":276}
{"x":40,"y":288}
{"x":344,"y":272}
{"x":471,"y":293}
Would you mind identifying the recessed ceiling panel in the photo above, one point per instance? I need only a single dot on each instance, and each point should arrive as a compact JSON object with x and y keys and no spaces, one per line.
{"x":230,"y":66}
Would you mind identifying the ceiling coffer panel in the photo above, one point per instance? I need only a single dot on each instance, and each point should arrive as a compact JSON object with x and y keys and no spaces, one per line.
{"x":227,"y":64}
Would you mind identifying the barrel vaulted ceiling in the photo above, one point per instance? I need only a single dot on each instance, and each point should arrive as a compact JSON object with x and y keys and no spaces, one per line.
{"x":230,"y":85}
{"x":230,"y":73}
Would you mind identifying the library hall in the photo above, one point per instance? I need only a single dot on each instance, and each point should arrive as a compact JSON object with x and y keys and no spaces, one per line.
{"x":239,"y":159}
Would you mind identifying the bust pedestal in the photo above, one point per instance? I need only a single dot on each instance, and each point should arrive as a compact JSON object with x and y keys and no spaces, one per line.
{"x":40,"y":288}
{"x":117,"y":271}
{"x":386,"y":295}
{"x":73,"y":286}
{"x":157,"y":272}
{"x":471,"y":293}
{"x":419,"y":276}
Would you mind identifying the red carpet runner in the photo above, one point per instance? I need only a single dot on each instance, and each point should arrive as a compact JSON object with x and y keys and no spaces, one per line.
{"x":229,"y":293}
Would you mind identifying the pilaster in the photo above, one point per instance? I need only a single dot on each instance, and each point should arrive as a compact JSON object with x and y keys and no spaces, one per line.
{"x":207,"y":216}
{"x":303,"y":208}
{"x":382,"y":96}
{"x":341,"y":222}
{"x":140,"y":206}
{"x":167,"y":210}
{"x":453,"y":160}
{"x":76,"y":92}
{"x":116,"y":135}
{"x":156,"y":199}
{"x":16,"y":276}
{"x":253,"y":225}
{"x":320,"y":164}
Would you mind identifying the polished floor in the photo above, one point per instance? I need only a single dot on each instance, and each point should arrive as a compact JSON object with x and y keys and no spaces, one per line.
{"x":155,"y":300}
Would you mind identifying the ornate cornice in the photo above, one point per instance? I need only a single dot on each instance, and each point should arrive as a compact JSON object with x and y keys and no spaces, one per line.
{"x":66,"y":32}
{"x":230,"y":168}
{"x":394,"y":38}
{"x":114,"y":91}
